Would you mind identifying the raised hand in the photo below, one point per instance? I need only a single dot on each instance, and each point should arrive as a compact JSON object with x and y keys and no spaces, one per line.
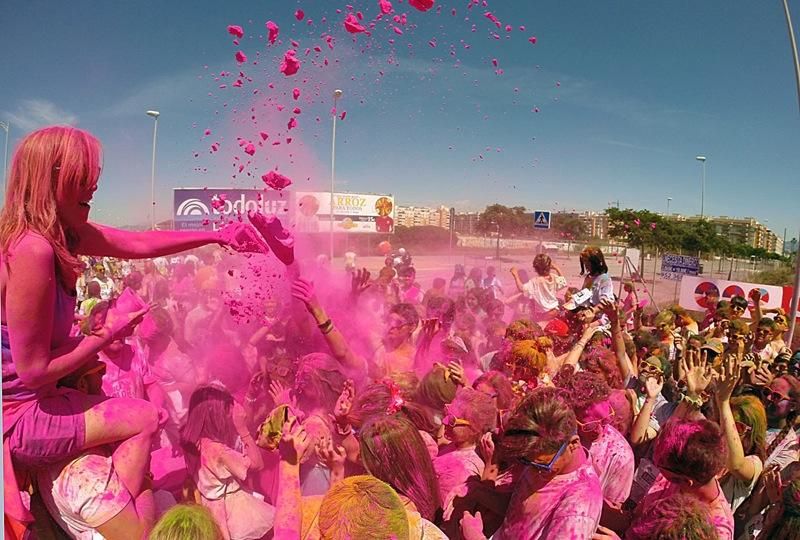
{"x":359,"y":282}
{"x":331,"y":456}
{"x":457,"y":373}
{"x":280,"y":394}
{"x":294,"y":442}
{"x":653,"y":386}
{"x":303,"y":290}
{"x":729,"y":378}
{"x":119,"y":325}
{"x":344,"y":403}
{"x":699,"y":373}
{"x":609,"y":308}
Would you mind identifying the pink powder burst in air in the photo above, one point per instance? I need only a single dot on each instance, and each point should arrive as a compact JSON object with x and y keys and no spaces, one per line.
{"x":421,"y":5}
{"x":397,"y":31}
{"x":351,"y":24}
{"x":386,"y":6}
{"x":276,"y":181}
{"x":207,"y":132}
{"x":249,"y":149}
{"x":290,"y":64}
{"x":297,"y":110}
{"x":241,"y":57}
{"x":264,"y":135}
{"x":292,"y":123}
{"x":273,"y":31}
{"x":532,"y":39}
{"x":296,"y":93}
{"x":299,"y":14}
{"x":236,"y":31}
{"x":343,"y":116}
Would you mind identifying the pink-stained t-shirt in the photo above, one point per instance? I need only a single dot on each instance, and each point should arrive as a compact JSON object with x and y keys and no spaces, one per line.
{"x":720,"y":514}
{"x":567,"y":507}
{"x":613,"y":462}
{"x":453,"y":469}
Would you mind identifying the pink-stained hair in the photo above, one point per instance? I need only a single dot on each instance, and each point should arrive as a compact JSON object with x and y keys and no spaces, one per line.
{"x":694,"y":449}
{"x":49,"y":164}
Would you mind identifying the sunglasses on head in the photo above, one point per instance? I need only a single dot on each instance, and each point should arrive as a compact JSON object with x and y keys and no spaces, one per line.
{"x":545,"y":467}
{"x":451,"y":421}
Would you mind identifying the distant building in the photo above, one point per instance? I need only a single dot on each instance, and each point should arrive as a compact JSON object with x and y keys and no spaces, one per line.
{"x":418,"y":216}
{"x":746,"y":231}
{"x":595,"y":224}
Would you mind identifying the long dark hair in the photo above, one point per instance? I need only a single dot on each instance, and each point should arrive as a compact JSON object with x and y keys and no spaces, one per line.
{"x":393,"y":451}
{"x":593,"y":262}
{"x":209,"y":416}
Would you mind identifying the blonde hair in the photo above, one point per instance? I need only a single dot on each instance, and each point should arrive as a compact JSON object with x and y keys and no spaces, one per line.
{"x":49,"y":164}
{"x":186,"y":522}
{"x":362,"y":507}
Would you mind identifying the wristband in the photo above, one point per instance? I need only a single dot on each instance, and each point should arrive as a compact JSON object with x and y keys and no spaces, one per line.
{"x":694,"y":402}
{"x":326,"y":326}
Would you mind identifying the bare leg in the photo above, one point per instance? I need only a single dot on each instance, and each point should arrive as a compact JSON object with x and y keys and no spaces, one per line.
{"x":134,"y":521}
{"x":130,"y":422}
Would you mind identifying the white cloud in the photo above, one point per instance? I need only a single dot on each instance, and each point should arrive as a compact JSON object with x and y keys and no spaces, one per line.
{"x":168,"y":90}
{"x":35,"y":113}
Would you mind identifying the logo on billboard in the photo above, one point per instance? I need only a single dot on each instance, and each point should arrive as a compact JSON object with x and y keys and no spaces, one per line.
{"x":192,"y":207}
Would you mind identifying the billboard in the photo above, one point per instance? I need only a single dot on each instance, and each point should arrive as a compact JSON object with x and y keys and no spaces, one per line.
{"x":695,"y":289}
{"x":352,"y":212}
{"x":204,"y":208}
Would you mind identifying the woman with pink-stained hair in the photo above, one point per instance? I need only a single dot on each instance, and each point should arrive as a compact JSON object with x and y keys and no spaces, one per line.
{"x":44,"y":226}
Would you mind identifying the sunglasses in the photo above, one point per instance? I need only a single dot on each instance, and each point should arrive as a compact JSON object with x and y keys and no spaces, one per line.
{"x":545,"y":467}
{"x":453,"y":421}
{"x":646,"y":367}
{"x":772,"y":395}
{"x":589,"y":426}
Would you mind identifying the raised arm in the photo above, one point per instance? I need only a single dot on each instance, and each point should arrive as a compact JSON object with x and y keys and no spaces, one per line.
{"x":517,"y":280}
{"x":288,"y":503}
{"x":303,"y":290}
{"x":626,"y":367}
{"x":100,"y":240}
{"x":738,"y":465}
{"x":641,"y":432}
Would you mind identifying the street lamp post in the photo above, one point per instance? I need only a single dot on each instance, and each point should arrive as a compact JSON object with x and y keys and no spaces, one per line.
{"x":796,"y":299}
{"x":336,"y":95}
{"x":702,"y":159}
{"x":154,"y":115}
{"x":5,"y":126}
{"x":669,"y":200}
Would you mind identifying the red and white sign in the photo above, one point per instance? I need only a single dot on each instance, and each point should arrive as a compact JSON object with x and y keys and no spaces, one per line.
{"x":696,"y":289}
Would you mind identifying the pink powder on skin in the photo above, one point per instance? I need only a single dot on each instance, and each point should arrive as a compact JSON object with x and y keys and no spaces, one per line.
{"x":273,"y":31}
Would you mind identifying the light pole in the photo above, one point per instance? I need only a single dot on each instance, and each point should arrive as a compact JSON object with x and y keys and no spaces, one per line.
{"x":154,"y":115}
{"x":336,"y":95}
{"x":669,"y":200}
{"x":5,"y":126}
{"x":796,"y":299}
{"x":702,"y":187}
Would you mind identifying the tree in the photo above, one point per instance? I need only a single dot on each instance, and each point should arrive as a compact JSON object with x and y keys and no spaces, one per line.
{"x":422,"y":238}
{"x":568,"y":226}
{"x":513,"y":221}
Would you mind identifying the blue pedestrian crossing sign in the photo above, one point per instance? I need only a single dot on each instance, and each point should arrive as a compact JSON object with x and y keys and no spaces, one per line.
{"x":541,"y":219}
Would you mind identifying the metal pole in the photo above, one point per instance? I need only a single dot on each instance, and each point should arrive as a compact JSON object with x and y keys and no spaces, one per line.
{"x":497,"y":249}
{"x":796,"y":290}
{"x":153,"y":178}
{"x":333,"y":169}
{"x":7,"y":128}
{"x":703,"y":193}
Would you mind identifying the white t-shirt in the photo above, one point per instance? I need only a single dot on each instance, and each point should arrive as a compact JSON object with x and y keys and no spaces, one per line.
{"x":543,"y":291}
{"x":736,"y":490}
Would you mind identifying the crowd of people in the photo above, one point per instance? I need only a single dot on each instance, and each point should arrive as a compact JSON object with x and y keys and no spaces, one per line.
{"x":139,"y":403}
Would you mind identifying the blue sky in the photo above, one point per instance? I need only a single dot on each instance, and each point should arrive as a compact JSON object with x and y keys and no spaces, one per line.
{"x":628,"y":93}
